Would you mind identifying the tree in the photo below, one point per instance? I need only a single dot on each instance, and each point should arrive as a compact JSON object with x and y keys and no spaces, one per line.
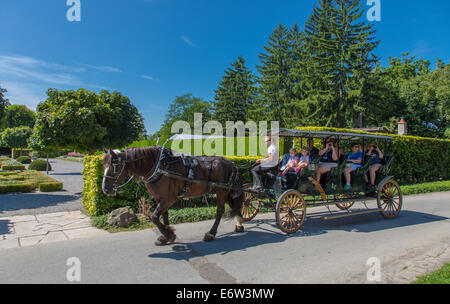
{"x":18,"y":115}
{"x":236,"y":93}
{"x":15,"y":137}
{"x":279,"y":78}
{"x":339,"y":45}
{"x":427,"y":103}
{"x":183,"y":108}
{"x":85,"y":121}
{"x":3,"y":102}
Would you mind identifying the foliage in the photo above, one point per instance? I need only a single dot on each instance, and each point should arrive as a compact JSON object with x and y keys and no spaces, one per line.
{"x":23,"y":181}
{"x":17,"y":188}
{"x":236,"y":94}
{"x":50,"y":187}
{"x":39,"y":165}
{"x":3,"y":102}
{"x":440,"y":276}
{"x":15,"y":137}
{"x":95,"y":202}
{"x":416,"y":159}
{"x":84,"y":121}
{"x":18,"y":116}
{"x":280,"y":76}
{"x":183,"y":108}
{"x":17,"y":152}
{"x":24,"y":159}
{"x":438,"y":186}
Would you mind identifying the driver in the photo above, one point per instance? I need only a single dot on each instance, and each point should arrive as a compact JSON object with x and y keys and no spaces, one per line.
{"x":265,"y":164}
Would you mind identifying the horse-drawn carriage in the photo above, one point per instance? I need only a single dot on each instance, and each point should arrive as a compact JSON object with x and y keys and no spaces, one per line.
{"x":291,"y":202}
{"x":168,"y":177}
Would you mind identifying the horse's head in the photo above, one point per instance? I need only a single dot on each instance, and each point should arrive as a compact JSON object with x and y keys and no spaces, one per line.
{"x":115,"y":171}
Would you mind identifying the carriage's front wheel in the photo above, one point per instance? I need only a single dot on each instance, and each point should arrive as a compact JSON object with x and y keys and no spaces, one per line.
{"x":291,"y":211}
{"x":390,"y":199}
{"x":250,"y":205}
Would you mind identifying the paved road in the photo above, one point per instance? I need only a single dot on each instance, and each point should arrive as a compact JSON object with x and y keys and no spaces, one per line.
{"x":324,"y":252}
{"x":70,"y":173}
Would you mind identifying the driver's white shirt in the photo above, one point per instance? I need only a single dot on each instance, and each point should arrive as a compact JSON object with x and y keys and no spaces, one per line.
{"x":272,"y":149}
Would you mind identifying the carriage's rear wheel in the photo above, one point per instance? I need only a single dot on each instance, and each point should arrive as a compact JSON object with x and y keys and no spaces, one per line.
{"x":291,"y":211}
{"x":390,"y":199}
{"x":250,"y":205}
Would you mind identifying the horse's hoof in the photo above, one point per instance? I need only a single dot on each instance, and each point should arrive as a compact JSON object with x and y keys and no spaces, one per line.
{"x":163,"y":241}
{"x":239,"y":229}
{"x":209,"y":237}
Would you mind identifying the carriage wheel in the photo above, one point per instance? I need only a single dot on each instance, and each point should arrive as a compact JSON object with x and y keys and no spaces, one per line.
{"x":250,"y":205}
{"x":291,"y":211}
{"x":344,"y":206}
{"x":390,"y":199}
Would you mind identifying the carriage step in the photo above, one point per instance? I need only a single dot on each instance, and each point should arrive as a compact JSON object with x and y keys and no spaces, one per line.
{"x":350,"y":213}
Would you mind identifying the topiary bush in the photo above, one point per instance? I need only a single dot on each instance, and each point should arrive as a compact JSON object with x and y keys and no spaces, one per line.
{"x":24,"y":159}
{"x":39,"y":165}
{"x":23,"y":188}
{"x":50,"y":187}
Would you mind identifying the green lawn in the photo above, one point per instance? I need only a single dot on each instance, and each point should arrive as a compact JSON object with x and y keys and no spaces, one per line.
{"x":441,"y":276}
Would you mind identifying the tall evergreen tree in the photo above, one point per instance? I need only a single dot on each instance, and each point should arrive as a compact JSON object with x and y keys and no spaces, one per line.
{"x":280,"y":75}
{"x":339,"y":47}
{"x":236,"y":93}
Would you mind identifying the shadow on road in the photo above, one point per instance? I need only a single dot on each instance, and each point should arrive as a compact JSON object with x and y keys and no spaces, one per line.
{"x":5,"y":227}
{"x":259,"y":232}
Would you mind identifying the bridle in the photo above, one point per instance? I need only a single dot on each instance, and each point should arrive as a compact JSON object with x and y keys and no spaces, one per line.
{"x":115,"y":163}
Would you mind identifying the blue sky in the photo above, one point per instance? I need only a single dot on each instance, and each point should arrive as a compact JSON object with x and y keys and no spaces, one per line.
{"x":154,"y":50}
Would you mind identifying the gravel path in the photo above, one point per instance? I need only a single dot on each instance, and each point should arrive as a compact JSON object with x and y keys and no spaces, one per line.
{"x":70,"y":173}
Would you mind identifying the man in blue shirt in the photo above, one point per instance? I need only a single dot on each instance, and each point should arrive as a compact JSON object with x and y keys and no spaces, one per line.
{"x":354,"y":161}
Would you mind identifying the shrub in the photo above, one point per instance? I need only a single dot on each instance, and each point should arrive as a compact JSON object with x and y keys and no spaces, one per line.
{"x":24,"y":159}
{"x":12,"y":165}
{"x":39,"y":165}
{"x":17,"y":152}
{"x":50,"y":187}
{"x":23,"y":187}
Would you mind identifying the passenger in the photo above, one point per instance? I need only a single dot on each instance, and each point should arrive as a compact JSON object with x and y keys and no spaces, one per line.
{"x":354,"y":161}
{"x":329,"y":158}
{"x":291,"y":164}
{"x":304,"y":160}
{"x":265,"y":164}
{"x":375,"y":163}
{"x":313,"y":151}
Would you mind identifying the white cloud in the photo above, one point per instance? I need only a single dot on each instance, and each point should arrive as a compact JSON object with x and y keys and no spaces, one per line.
{"x":147,"y":77}
{"x":188,"y":41}
{"x":105,"y":68}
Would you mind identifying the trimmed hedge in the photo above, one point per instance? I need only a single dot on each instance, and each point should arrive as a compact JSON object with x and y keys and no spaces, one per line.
{"x":23,"y":188}
{"x":40,"y":165}
{"x":13,"y":167}
{"x":50,"y":187}
{"x":17,"y":152}
{"x":416,"y":159}
{"x":24,"y":159}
